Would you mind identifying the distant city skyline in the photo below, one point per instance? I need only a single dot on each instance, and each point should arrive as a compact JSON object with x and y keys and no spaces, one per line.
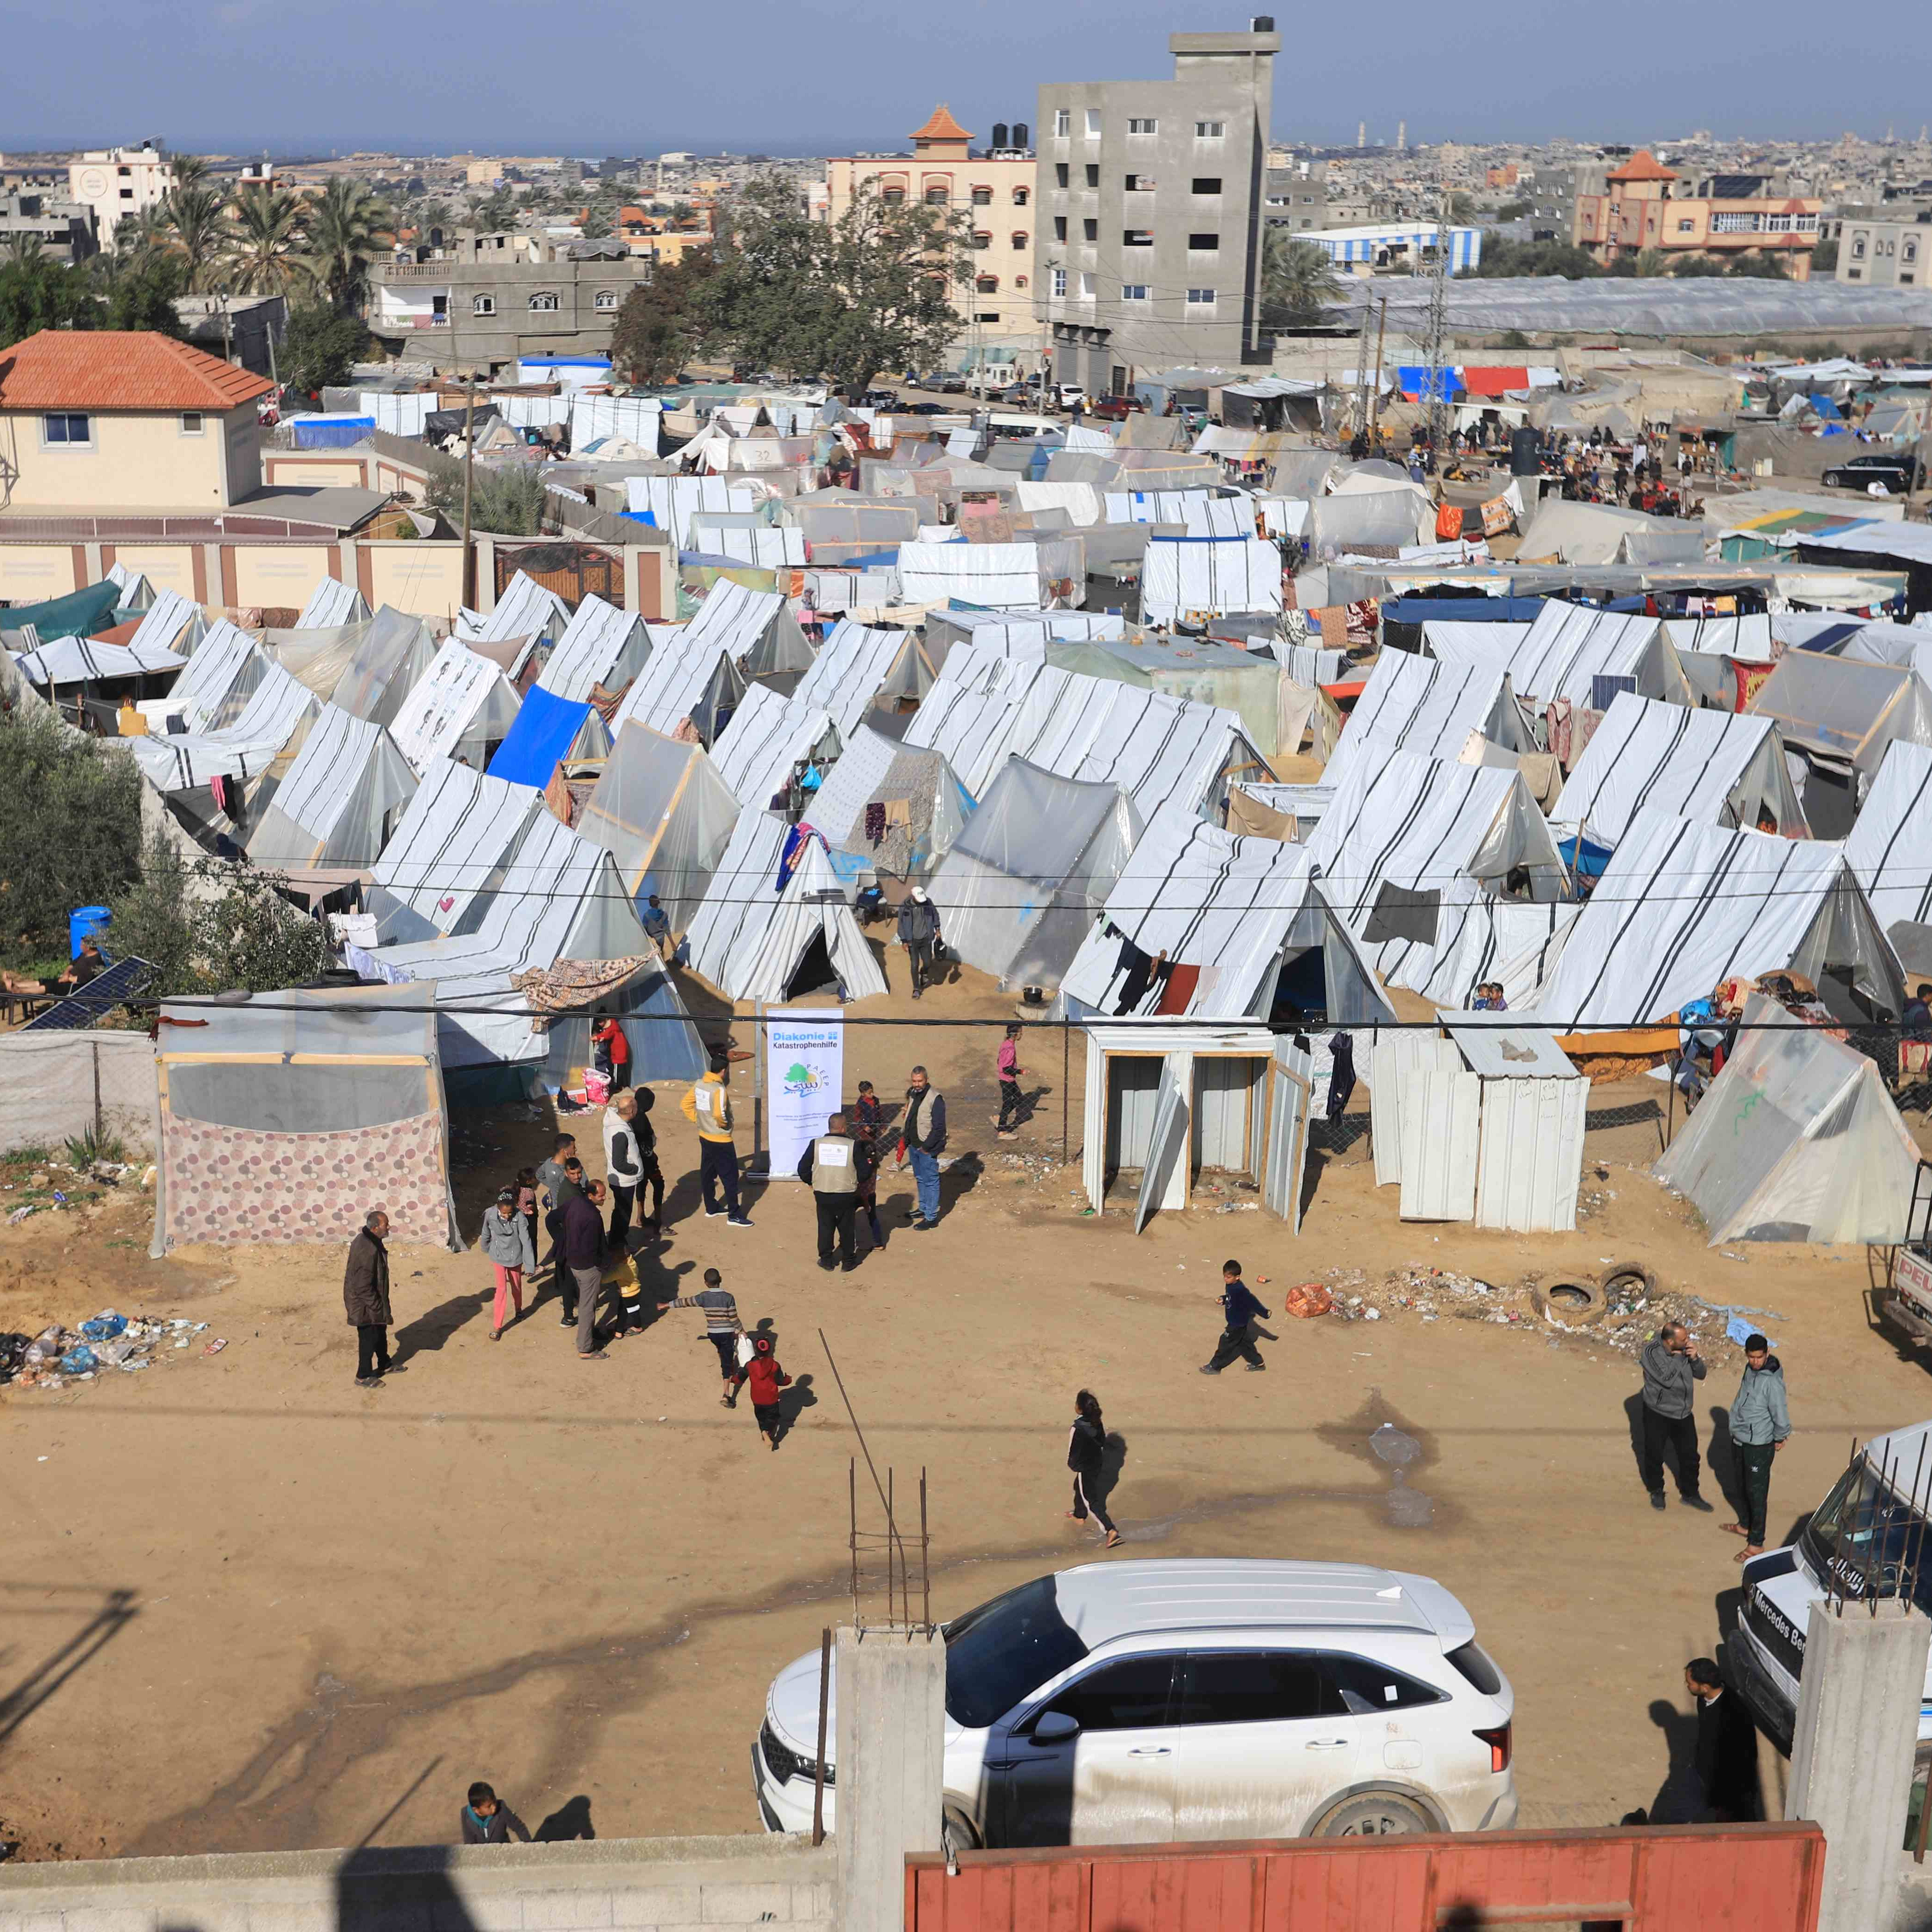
{"x":812,"y":77}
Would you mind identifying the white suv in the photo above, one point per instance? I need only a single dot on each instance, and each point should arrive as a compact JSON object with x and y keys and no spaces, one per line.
{"x":1139,"y":1703}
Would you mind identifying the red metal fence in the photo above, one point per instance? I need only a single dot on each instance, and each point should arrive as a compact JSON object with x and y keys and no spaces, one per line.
{"x":1684,"y":1878}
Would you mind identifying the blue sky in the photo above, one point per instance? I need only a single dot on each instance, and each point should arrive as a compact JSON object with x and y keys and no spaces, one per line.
{"x":810,"y":76}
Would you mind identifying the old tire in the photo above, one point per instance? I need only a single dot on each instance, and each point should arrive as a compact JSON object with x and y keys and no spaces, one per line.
{"x":1374,"y":1814}
{"x":1627,"y":1280}
{"x":1564,"y":1298}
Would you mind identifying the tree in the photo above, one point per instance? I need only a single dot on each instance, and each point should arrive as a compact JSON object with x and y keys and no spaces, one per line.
{"x":344,"y":226}
{"x":321,"y":347}
{"x":1649,"y":263}
{"x":69,"y":829}
{"x":1825,"y":257}
{"x":837,"y":300}
{"x":596,"y":225}
{"x":506,"y":500}
{"x":138,"y":292}
{"x":1298,"y":281}
{"x":1755,"y":267}
{"x":662,"y":321}
{"x":267,"y":237}
{"x":1503,"y":257}
{"x":195,"y":232}
{"x":37,"y":293}
{"x":1698,"y":269}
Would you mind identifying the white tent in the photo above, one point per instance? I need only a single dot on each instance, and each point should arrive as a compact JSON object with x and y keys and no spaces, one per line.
{"x":1031,"y":871}
{"x":1681,"y":907}
{"x":280,"y":707}
{"x":1080,"y":501}
{"x":664,"y":815}
{"x":755,"y":941}
{"x":1427,"y":710}
{"x":396,"y":652}
{"x":853,"y":665}
{"x":136,"y":592}
{"x":171,"y":622}
{"x":1208,"y":576}
{"x":996,"y":577}
{"x":527,"y":609}
{"x":875,"y":769}
{"x":450,"y":847}
{"x":221,"y":678}
{"x":1890,"y":848}
{"x":1017,"y":633}
{"x":668,"y":501}
{"x":636,"y":419}
{"x":1460,"y":640}
{"x":1748,"y":638}
{"x":65,"y":661}
{"x":1718,"y":767}
{"x":1230,"y":913}
{"x":1796,"y":1140}
{"x":332,"y":603}
{"x":339,"y":800}
{"x":1566,"y":648}
{"x":600,"y":645}
{"x":696,"y":670}
{"x":762,"y":546}
{"x":1506,"y":942}
{"x":1411,"y":849}
{"x":766,"y":737}
{"x":1201,"y":513}
{"x":462,"y":707}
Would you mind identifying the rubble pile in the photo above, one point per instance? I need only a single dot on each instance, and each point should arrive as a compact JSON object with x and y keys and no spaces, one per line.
{"x":106,"y":1342}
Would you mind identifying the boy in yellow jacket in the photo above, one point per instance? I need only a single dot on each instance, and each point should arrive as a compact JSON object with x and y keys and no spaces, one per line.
{"x":708,"y":1107}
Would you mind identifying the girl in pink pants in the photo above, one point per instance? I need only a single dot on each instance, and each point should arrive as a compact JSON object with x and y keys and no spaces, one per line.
{"x":506,"y":1240}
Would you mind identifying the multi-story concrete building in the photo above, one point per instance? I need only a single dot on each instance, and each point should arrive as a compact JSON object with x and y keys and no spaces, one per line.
{"x":1297,"y":196}
{"x":116,"y":182}
{"x":996,"y":191}
{"x":1643,"y":204}
{"x":68,"y":231}
{"x":487,"y":300}
{"x":1888,"y":246}
{"x":1153,"y":194}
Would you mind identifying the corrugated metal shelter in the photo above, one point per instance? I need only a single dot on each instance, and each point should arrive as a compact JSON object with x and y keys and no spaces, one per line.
{"x":1529,"y":1161}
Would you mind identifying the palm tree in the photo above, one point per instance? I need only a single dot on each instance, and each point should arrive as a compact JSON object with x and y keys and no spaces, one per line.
{"x":344,"y":226}
{"x":1298,"y":280}
{"x":266,"y":239}
{"x":21,"y":249}
{"x":139,"y":237}
{"x":195,"y":224}
{"x":189,"y":171}
{"x":1650,"y":263}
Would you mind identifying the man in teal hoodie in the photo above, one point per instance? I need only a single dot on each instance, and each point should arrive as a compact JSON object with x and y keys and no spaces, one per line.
{"x":1760,"y":1420}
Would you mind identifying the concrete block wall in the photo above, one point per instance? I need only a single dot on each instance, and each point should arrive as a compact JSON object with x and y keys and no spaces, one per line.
{"x":608,"y":1885}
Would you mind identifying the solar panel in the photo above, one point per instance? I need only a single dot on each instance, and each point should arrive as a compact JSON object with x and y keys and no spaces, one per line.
{"x":124,"y":979}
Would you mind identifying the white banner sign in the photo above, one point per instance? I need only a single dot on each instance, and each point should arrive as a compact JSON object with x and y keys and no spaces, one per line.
{"x":805,"y":1075}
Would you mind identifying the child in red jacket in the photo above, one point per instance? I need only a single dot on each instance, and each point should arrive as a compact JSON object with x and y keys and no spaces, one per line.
{"x":766,"y":1379}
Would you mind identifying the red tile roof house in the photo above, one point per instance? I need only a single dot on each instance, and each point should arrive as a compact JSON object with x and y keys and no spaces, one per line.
{"x":106,"y":419}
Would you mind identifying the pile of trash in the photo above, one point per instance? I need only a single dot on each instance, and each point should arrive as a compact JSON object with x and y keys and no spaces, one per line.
{"x":107,"y":1342}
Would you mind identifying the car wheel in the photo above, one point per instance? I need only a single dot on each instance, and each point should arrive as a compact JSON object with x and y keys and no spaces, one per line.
{"x":1833,"y":480}
{"x":956,"y":1833}
{"x":1374,"y":1814}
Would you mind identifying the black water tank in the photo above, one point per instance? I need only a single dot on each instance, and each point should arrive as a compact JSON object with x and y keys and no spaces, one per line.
{"x":1262,"y":23}
{"x":1019,"y":133}
{"x":1522,"y":452}
{"x":999,"y":134}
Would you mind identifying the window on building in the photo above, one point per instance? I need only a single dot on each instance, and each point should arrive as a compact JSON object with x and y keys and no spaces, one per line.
{"x":1855,"y":274}
{"x":1062,"y":122}
{"x":981,"y":239}
{"x":1059,"y":228}
{"x":67,"y":430}
{"x":1858,"y":247}
{"x":1019,"y":238}
{"x":1090,"y":231}
{"x":193,"y":422}
{"x":1137,"y":237}
{"x":1910,"y":253}
{"x":1019,"y":281}
{"x":988,"y":315}
{"x":1092,"y":174}
{"x":1687,"y":227}
{"x":1905,"y":275}
{"x":1144,"y":124}
{"x":1137,"y":184}
{"x":983,"y":197}
{"x":987,"y":285}
{"x":544,"y":301}
{"x":1808,"y":224}
{"x":1204,"y":244}
{"x":1133,"y":292}
{"x":1093,"y":123}
{"x":1086,"y":288}
{"x":1059,"y":281}
{"x":895,"y":193}
{"x":483,"y":305}
{"x":1777,"y":224}
{"x":1020,"y":197}
{"x":605,"y":299}
{"x":1206,"y":184}
{"x":1200,"y":298}
{"x":938,"y":197}
{"x":1209,"y":130}
{"x":1060,"y":172}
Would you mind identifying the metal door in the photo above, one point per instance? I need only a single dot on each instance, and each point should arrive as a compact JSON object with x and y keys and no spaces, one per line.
{"x":1393,"y":1056}
{"x":1440,"y":1116}
{"x":1284,"y":1163}
{"x":1164,"y":1180}
{"x":1225,"y":1102}
{"x":1132,"y":1082}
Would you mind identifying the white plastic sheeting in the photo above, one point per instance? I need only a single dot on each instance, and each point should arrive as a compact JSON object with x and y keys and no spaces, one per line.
{"x":748,"y":938}
{"x":462,"y":707}
{"x":668,"y":501}
{"x":527,"y":609}
{"x":600,"y":645}
{"x":396,"y":651}
{"x":1566,"y":647}
{"x":1080,"y":501}
{"x":84,"y":661}
{"x":1503,"y":942}
{"x":1796,"y":1140}
{"x":453,"y":842}
{"x":136,"y":592}
{"x":220,"y":677}
{"x":1890,"y":847}
{"x":852,"y":667}
{"x":999,"y":577}
{"x":1428,"y":709}
{"x":400,"y":414}
{"x":332,"y":603}
{"x":637,"y":419}
{"x":873,"y":769}
{"x":1681,"y":907}
{"x":336,"y":802}
{"x":665,"y":816}
{"x":278,"y":707}
{"x":1208,"y":576}
{"x":1748,"y":638}
{"x":765,"y":547}
{"x":1714,"y":766}
{"x":1849,"y":711}
{"x":767,"y":735}
{"x":694,"y":669}
{"x":1201,"y":513}
{"x":172,"y":623}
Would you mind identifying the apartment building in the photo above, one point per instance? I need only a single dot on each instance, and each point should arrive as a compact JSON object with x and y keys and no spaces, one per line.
{"x":116,"y":182}
{"x":67,"y":231}
{"x":1152,"y":199}
{"x":1643,"y":204}
{"x":1888,"y":247}
{"x":997,"y":189}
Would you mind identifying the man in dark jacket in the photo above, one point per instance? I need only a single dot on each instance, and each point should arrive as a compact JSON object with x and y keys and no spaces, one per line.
{"x":1672,"y":1370}
{"x":365,"y":1296}
{"x":1727,"y":1755}
{"x":829,"y":1167}
{"x":922,"y":1129}
{"x":919,"y":933}
{"x":581,"y":1242}
{"x":551,"y":1178}
{"x":1239,"y":1306}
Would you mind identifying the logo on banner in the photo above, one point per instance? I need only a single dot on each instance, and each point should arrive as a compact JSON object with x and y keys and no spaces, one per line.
{"x":803,"y":1080}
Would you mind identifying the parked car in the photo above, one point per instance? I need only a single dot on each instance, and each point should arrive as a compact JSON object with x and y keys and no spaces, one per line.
{"x":1901,"y":475}
{"x":1117,"y":409}
{"x":1068,"y":394}
{"x":1193,"y":1698}
{"x":880,"y":399}
{"x":925,"y":409}
{"x":949,"y":386}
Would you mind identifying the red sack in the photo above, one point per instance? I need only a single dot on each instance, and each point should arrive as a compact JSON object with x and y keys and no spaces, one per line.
{"x":1309,"y":1300}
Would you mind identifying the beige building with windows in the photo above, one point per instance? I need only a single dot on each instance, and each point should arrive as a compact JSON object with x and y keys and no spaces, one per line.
{"x":116,"y":182}
{"x":995,"y":189}
{"x":1888,"y":247}
{"x":1642,"y":204}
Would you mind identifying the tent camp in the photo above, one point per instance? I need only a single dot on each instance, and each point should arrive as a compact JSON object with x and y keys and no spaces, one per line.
{"x":221,"y":678}
{"x":766,"y":737}
{"x":397,"y":650}
{"x":462,"y":707}
{"x":756,"y":938}
{"x":1748,"y":638}
{"x":1796,"y":1140}
{"x":888,"y":811}
{"x":289,"y":1121}
{"x":664,"y":815}
{"x":546,"y":731}
{"x":1566,"y":650}
{"x":1681,"y":907}
{"x":171,"y":622}
{"x":666,"y":502}
{"x":698,"y":670}
{"x":1717,"y":767}
{"x":332,"y":603}
{"x":1238,"y":920}
{"x":1428,"y":709}
{"x":1842,"y":710}
{"x":600,"y":645}
{"x":1197,"y":576}
{"x":996,"y":577}
{"x":1031,"y":871}
{"x":338,"y":802}
{"x":1890,"y":847}
{"x":279,"y":707}
{"x":449,"y":848}
{"x":855,"y":665}
{"x":63,"y":662}
{"x":1411,"y":848}
{"x":525,"y":609}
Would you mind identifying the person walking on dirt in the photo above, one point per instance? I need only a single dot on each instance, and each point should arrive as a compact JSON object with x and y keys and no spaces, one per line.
{"x":864,"y":1119}
{"x":919,"y":933}
{"x":1760,"y":1424}
{"x":766,"y":1379}
{"x":723,"y":1329}
{"x":829,"y":1167}
{"x":506,"y":1243}
{"x":1239,"y":1306}
{"x":1672,"y":1370}
{"x":1726,"y":1749}
{"x":551,"y":1178}
{"x":708,"y":1107}
{"x":922,"y":1135}
{"x":1086,"y":1456}
{"x":1009,"y":1068}
{"x":581,"y":1241}
{"x":623,"y":1167}
{"x":365,"y":1298}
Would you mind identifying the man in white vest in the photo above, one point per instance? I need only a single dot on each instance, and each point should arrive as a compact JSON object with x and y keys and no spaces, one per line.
{"x":829,"y":1167}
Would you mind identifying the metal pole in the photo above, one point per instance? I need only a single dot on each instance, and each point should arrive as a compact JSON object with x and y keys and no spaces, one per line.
{"x":889,"y":1563}
{"x":97,"y":1123}
{"x":469,"y":485}
{"x":924,"y":1567}
{"x":852,"y":1507}
{"x":818,"y":1769}
{"x":1065,"y":1075}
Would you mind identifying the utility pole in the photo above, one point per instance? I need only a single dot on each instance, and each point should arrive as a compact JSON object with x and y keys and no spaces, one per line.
{"x":1376,"y":396}
{"x":1362,"y":369}
{"x":1438,"y":322}
{"x":469,"y":482}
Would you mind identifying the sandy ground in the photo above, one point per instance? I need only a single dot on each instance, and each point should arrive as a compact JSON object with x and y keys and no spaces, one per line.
{"x":246,"y":1606}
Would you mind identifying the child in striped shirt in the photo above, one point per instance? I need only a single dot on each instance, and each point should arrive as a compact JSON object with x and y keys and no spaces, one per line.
{"x":722,"y":1327}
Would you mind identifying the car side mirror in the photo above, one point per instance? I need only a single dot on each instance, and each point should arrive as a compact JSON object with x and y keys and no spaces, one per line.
{"x":1055,"y":1728}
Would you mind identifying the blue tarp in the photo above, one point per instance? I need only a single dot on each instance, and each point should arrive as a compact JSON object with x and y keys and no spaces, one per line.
{"x":333,"y":432}
{"x":1584,"y":856}
{"x":1462,"y":609}
{"x":544,"y":730}
{"x":81,"y":613}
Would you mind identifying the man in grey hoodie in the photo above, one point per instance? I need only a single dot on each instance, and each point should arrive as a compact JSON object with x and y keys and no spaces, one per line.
{"x":1672,"y":1370}
{"x":1760,"y":1422}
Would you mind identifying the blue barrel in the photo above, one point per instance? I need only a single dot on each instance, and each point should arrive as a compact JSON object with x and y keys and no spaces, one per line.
{"x":82,"y":922}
